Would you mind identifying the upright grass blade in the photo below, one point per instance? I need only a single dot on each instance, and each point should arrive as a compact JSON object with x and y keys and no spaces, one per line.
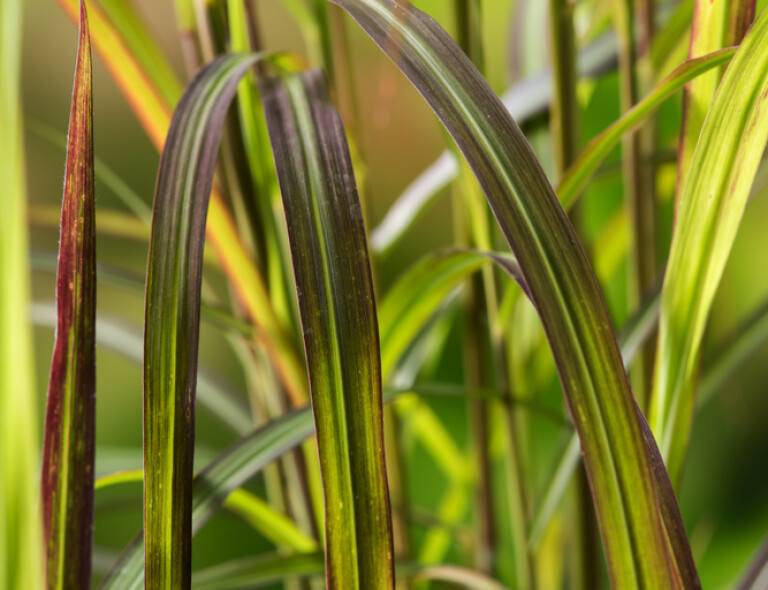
{"x":711,"y":205}
{"x":336,"y":303}
{"x":217,"y":480}
{"x":20,"y":532}
{"x":70,"y":424}
{"x":154,"y":114}
{"x":561,"y":284}
{"x":710,"y":31}
{"x":172,"y":318}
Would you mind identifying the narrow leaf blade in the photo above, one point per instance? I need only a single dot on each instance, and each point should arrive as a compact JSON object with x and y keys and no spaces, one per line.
{"x":560,"y":280}
{"x":172,"y":318}
{"x":68,"y":454}
{"x":20,"y":530}
{"x":337,"y":307}
{"x":710,"y":209}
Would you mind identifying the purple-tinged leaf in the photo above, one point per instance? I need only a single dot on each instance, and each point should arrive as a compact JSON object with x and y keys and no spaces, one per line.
{"x":68,"y":456}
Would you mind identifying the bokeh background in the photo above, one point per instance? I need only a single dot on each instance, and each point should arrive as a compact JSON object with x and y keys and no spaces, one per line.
{"x":725,"y":492}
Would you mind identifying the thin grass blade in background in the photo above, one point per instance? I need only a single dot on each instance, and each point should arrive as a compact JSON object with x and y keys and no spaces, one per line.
{"x":595,"y":153}
{"x":20,"y":530}
{"x":561,"y":282}
{"x":756,"y":576}
{"x":715,"y":25}
{"x":338,"y":313}
{"x":172,"y":318}
{"x":709,"y":212}
{"x":68,"y":454}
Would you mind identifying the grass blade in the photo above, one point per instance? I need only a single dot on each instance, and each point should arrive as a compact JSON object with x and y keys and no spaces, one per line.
{"x":257,"y":572}
{"x":710,"y":31}
{"x":125,"y":340}
{"x":70,"y":424}
{"x":217,"y":480}
{"x":711,"y":205}
{"x":524,"y":101}
{"x":756,"y":576}
{"x":172,"y":318}
{"x":336,"y":302}
{"x":154,"y":114}
{"x":273,"y":525}
{"x":20,"y":531}
{"x":561,"y":283}
{"x":588,"y":162}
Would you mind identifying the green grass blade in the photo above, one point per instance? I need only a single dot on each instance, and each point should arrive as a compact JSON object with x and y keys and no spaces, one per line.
{"x":711,"y":205}
{"x":596,"y":152}
{"x":217,"y":480}
{"x":257,"y":572}
{"x":710,"y":31}
{"x":524,"y":101}
{"x":20,"y":530}
{"x":273,"y":525}
{"x":70,"y":424}
{"x":561,"y":283}
{"x":143,"y":45}
{"x":336,"y":303}
{"x":172,"y":318}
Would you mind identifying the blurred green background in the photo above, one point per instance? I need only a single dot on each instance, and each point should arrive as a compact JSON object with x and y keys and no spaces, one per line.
{"x":725,"y":492}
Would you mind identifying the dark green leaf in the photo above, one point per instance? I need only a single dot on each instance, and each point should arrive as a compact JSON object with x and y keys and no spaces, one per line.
{"x":338,"y":314}
{"x":172,"y":318}
{"x":561,"y":282}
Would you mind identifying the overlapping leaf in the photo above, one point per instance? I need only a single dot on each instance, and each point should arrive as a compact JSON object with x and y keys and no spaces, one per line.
{"x":561,"y":283}
{"x":710,"y":209}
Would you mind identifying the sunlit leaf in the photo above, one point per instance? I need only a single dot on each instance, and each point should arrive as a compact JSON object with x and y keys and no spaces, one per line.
{"x":20,"y":530}
{"x":709,"y":212}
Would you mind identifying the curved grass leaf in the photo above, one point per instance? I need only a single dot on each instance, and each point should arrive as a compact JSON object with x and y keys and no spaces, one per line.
{"x":561,"y":283}
{"x":711,"y":205}
{"x":524,"y":101}
{"x":20,"y":530}
{"x":70,"y":423}
{"x":172,"y":318}
{"x":338,"y":314}
{"x":578,"y":176}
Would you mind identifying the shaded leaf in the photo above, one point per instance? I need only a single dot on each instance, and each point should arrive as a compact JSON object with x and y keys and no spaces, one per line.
{"x":338,"y":314}
{"x":172,"y":318}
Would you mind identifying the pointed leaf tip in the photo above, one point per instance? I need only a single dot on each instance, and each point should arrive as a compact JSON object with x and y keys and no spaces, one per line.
{"x":68,"y":454}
